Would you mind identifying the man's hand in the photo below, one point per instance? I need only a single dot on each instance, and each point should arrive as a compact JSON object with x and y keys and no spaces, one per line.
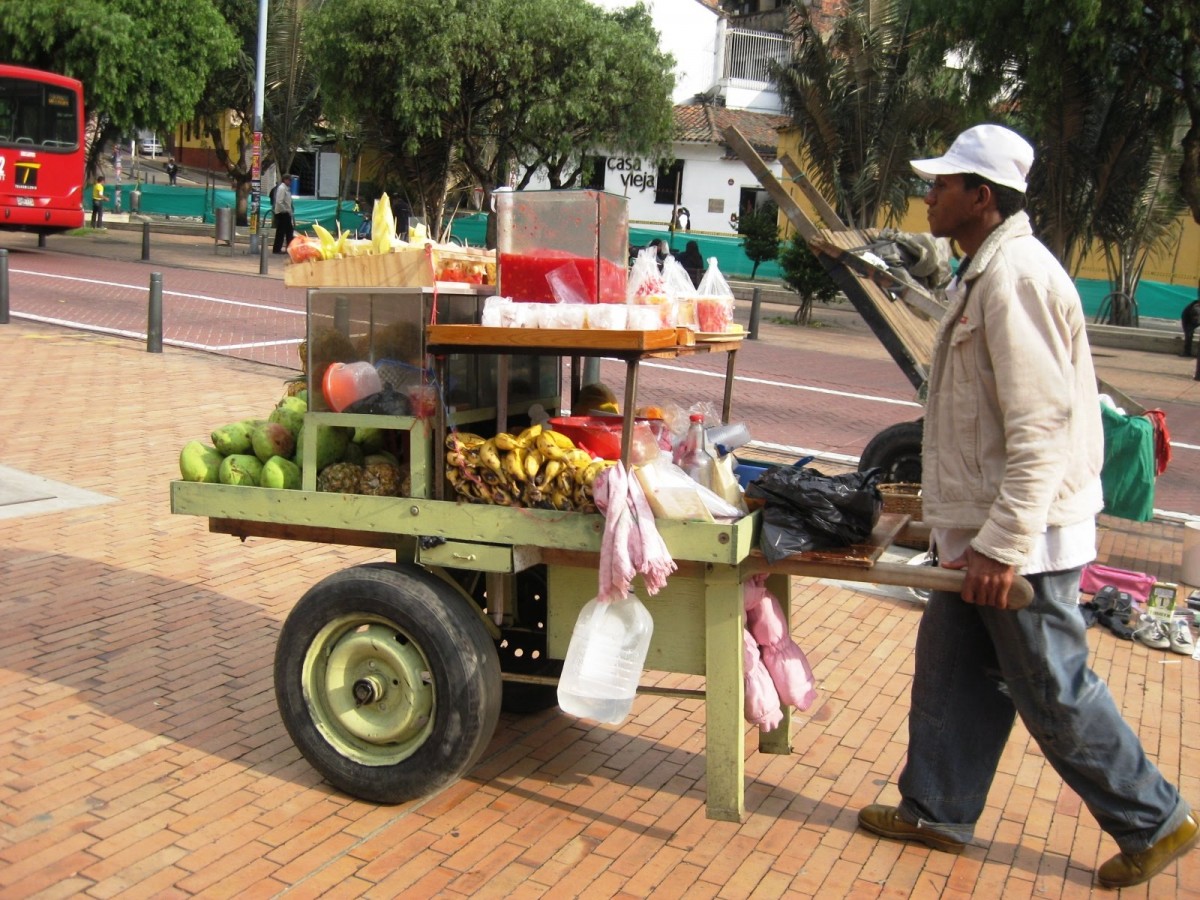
{"x":986,"y":581}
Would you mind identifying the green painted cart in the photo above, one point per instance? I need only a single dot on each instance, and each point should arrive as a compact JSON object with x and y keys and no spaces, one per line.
{"x":390,"y":677}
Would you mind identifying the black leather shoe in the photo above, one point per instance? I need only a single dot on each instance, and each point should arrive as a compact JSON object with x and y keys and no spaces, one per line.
{"x":885,"y":821}
{"x":1126,"y":869}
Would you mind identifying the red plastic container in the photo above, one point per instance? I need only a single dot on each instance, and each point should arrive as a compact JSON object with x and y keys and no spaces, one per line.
{"x":601,"y":435}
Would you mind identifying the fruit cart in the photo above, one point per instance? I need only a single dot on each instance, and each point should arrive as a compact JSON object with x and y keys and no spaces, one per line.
{"x":390,"y":677}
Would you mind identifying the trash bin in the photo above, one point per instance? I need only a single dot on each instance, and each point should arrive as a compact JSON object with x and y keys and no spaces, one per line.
{"x":223,"y":231}
{"x":295,"y":185}
{"x":135,"y":200}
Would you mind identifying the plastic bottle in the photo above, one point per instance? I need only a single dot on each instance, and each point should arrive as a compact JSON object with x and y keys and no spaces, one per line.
{"x":604,"y":659}
{"x":692,"y":455}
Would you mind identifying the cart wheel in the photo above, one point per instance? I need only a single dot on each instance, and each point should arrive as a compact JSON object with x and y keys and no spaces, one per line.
{"x":897,"y":451}
{"x":387,"y":682}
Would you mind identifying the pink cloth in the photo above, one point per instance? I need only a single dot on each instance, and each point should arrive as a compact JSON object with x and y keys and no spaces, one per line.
{"x":783,"y":659}
{"x":631,"y":543}
{"x":762,"y":700}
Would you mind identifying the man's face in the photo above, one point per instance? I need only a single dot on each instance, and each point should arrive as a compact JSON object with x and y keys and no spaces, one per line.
{"x":951,"y":206}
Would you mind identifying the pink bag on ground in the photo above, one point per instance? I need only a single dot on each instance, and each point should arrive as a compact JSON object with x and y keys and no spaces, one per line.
{"x":1137,"y":584}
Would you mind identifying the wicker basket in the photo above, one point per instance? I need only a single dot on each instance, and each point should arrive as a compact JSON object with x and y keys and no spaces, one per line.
{"x":904,"y":498}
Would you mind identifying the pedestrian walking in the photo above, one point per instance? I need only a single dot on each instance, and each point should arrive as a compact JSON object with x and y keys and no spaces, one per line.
{"x":1012,"y":453}
{"x":281,"y":209}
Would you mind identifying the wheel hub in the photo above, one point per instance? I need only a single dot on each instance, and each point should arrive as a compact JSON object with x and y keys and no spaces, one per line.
{"x":369,"y":685}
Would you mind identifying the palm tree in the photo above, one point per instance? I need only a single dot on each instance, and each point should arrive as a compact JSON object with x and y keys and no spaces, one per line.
{"x":864,"y":107}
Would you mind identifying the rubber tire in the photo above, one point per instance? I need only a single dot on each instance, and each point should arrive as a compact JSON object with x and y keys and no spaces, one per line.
{"x":897,"y":452}
{"x":463,"y":670}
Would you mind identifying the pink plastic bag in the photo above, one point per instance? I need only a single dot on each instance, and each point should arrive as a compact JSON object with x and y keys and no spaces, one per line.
{"x":1137,"y":584}
{"x":783,"y":659}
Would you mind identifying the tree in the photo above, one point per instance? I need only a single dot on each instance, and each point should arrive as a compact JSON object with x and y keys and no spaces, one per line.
{"x":760,"y":235}
{"x":863,"y":106}
{"x":412,"y":73}
{"x":805,"y":275}
{"x":1086,"y":80}
{"x":143,"y":63}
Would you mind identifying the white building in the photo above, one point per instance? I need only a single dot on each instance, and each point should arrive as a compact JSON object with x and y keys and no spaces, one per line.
{"x":721,"y":79}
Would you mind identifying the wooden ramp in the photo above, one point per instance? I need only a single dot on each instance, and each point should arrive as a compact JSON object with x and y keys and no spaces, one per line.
{"x":904,"y":317}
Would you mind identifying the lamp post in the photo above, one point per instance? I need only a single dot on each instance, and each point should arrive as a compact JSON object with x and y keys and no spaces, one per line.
{"x":260,"y":79}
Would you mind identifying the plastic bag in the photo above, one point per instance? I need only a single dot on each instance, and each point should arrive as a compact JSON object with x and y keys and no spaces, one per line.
{"x":645,"y":280}
{"x":808,"y":510}
{"x":673,"y":495}
{"x":680,"y":293}
{"x":714,"y":301}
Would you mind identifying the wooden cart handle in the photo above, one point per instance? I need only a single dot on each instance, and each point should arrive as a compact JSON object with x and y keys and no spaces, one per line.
{"x":1020,"y":595}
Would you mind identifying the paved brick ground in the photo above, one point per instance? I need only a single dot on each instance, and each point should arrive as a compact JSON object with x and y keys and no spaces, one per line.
{"x":142,"y":755}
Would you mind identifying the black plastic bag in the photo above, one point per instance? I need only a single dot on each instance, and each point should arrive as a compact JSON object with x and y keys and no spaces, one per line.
{"x":808,"y":510}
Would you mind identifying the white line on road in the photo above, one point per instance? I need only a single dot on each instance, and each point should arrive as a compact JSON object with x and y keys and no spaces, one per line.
{"x":141,"y":287}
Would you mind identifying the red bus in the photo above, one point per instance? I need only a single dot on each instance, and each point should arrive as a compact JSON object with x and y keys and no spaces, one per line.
{"x":41,"y":151}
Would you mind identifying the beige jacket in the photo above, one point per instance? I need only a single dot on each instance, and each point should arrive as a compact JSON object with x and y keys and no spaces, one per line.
{"x":1012,"y":437}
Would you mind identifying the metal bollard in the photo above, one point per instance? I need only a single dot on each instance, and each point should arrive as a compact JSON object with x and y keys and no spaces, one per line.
{"x":3,"y":286}
{"x":755,"y":312}
{"x":262,"y":257}
{"x":145,"y":241}
{"x":154,"y":325}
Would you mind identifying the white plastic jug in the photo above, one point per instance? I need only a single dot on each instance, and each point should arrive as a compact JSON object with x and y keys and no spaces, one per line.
{"x":604,"y":659}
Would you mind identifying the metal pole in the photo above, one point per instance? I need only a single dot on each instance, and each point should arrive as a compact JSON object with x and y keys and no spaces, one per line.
{"x":145,"y":241}
{"x":755,"y":310}
{"x":3,"y":286}
{"x":154,"y":325}
{"x":262,"y":257}
{"x":260,"y":80}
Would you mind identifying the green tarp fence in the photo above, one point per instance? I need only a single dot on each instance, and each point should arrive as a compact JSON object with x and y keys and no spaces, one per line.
{"x":199,"y":203}
{"x":1155,"y":300}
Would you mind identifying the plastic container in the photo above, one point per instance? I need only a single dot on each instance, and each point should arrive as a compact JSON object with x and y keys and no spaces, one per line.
{"x":692,"y":453}
{"x":345,"y":383}
{"x":605,"y":659}
{"x":601,"y":436}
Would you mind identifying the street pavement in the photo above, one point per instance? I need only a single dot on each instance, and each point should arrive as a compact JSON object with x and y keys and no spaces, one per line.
{"x":143,"y":756}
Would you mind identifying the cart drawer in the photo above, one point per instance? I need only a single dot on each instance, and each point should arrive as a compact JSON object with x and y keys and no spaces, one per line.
{"x":478,"y":557}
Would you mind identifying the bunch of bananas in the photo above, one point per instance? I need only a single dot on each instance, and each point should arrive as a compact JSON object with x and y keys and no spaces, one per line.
{"x":537,"y":468}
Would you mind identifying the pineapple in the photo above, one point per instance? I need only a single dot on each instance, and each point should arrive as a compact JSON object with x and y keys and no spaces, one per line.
{"x":380,"y":479}
{"x":340,"y":478}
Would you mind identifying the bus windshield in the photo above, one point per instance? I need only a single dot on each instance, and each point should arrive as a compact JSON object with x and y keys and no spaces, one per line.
{"x":37,"y":114}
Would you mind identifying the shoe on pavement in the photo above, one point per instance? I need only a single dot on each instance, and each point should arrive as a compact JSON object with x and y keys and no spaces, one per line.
{"x":1126,"y":869}
{"x":1180,"y":636}
{"x":885,"y":821}
{"x":1152,"y":633}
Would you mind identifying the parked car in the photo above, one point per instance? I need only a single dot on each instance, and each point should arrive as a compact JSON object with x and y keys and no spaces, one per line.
{"x":150,"y":146}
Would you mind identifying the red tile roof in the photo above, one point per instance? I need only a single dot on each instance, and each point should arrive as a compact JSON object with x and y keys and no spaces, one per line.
{"x":705,"y":124}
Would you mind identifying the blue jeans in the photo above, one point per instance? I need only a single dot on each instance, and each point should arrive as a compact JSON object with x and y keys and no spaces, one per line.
{"x":976,"y":669}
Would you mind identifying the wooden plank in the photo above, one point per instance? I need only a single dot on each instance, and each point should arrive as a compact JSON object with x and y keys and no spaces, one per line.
{"x":827,"y":213}
{"x":559,"y":340}
{"x":748,"y":155}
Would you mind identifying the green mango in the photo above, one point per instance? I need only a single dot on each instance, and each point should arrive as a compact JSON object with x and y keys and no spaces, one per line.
{"x":280,"y":473}
{"x":233,"y":438}
{"x":199,"y":462}
{"x":354,"y":454}
{"x":272,"y":439}
{"x":295,"y":404}
{"x":331,"y":444}
{"x":370,"y":439}
{"x":240,"y":468}
{"x":288,"y":418}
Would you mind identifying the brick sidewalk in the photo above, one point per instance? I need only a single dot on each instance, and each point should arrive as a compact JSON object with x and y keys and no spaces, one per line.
{"x":144,"y":757}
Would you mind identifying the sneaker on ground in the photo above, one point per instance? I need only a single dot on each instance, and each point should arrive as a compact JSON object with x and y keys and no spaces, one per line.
{"x":1152,"y":633}
{"x":1180,"y":636}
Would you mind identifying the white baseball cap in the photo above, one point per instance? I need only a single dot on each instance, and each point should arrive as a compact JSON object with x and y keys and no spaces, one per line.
{"x":989,"y":151}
